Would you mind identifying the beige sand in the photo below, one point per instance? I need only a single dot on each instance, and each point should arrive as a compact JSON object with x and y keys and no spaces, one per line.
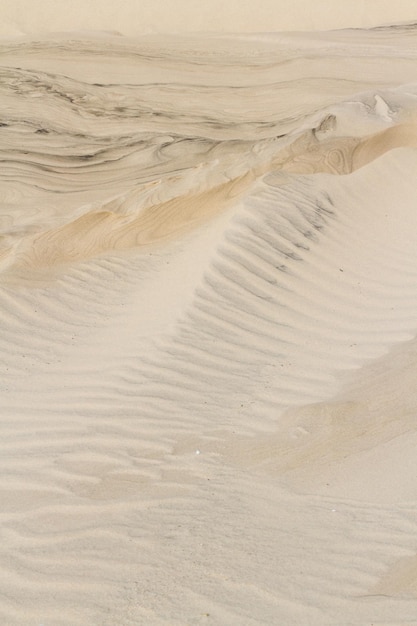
{"x":167,"y":16}
{"x":208,"y":270}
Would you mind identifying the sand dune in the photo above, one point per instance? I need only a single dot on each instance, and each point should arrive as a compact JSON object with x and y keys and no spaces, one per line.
{"x":208,"y":271}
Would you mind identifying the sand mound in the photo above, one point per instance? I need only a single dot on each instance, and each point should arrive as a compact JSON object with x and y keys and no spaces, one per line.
{"x":208,"y":278}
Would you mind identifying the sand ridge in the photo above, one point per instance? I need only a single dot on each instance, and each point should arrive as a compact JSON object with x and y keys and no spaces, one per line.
{"x":208,"y":306}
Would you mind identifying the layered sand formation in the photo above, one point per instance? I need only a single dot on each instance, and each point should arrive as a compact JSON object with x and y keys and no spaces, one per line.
{"x":208,"y":270}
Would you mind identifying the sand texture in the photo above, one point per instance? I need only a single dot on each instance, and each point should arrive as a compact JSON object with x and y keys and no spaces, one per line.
{"x":208,"y":347}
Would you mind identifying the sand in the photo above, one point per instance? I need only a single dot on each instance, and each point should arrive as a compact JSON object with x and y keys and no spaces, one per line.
{"x":135,"y":17}
{"x":208,"y":270}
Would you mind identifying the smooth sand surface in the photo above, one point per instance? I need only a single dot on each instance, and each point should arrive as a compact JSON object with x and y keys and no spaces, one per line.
{"x":134,"y":17}
{"x":208,"y":347}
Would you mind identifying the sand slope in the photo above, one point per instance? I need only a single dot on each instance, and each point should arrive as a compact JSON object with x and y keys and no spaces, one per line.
{"x":209,"y":314}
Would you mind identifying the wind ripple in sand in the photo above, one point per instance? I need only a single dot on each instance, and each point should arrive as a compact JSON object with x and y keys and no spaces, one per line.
{"x":208,"y":330}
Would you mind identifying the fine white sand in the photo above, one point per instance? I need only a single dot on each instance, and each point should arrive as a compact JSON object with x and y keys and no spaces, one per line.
{"x":208,"y":296}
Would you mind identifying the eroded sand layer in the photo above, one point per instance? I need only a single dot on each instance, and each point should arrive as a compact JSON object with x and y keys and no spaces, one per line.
{"x":209,"y":329}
